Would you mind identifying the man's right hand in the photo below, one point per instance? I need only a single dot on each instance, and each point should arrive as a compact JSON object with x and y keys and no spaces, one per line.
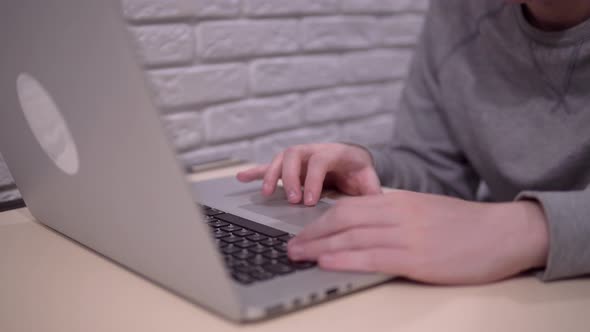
{"x":347,"y":168}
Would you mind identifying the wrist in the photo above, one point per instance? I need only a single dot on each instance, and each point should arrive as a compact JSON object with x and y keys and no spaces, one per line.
{"x":529,"y":231}
{"x":364,"y":154}
{"x":539,"y":232}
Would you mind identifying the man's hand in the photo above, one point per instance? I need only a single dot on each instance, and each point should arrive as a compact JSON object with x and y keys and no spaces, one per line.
{"x":427,"y":238}
{"x":345,"y":167}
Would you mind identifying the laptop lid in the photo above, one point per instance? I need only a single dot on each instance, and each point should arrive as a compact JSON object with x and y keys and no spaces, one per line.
{"x":86,"y":147}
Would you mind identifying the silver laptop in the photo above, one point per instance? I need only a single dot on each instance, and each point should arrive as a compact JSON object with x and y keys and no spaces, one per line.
{"x":84,"y":142}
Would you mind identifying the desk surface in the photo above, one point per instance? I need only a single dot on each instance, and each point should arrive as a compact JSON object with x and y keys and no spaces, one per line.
{"x":50,"y":283}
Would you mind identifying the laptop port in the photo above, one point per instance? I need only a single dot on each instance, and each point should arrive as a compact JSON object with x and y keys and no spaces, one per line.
{"x":331,"y":292}
{"x":313,"y":297}
{"x":275,"y":310}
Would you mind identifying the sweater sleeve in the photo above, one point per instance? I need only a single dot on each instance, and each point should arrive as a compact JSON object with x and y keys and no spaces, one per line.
{"x":423,"y":155}
{"x":568,"y":217}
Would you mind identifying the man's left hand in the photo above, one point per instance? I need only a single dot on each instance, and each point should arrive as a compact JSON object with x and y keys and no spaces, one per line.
{"x":429,"y":238}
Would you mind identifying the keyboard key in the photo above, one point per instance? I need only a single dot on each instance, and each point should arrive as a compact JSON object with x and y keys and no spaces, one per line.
{"x":220,"y":244}
{"x":243,"y":232}
{"x":257,"y":237}
{"x":258,"y":248}
{"x":220,"y":234}
{"x":282,"y":247}
{"x":243,"y":254}
{"x":212,"y":212}
{"x":247,"y":268}
{"x":258,"y":260}
{"x":231,"y":238}
{"x":231,"y":228}
{"x":208,"y":219}
{"x":230,"y":249}
{"x":271,"y":242}
{"x":245,"y":243}
{"x":256,"y":227}
{"x":217,"y":223}
{"x":287,"y":237}
{"x":234,"y":263}
{"x":273,"y":254}
{"x":278,"y":268}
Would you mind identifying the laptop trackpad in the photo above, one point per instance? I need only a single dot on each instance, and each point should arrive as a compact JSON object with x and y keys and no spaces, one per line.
{"x":297,"y":215}
{"x":277,"y":207}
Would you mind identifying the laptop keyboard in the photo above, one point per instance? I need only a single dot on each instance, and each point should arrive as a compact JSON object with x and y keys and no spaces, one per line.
{"x":253,"y":252}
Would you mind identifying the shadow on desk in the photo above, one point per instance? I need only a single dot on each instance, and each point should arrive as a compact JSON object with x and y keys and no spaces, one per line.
{"x":12,"y":205}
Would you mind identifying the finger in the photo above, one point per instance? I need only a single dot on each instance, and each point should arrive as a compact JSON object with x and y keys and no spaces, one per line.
{"x":371,"y":185}
{"x":345,"y":215}
{"x":273,"y":173}
{"x":354,"y":239}
{"x":254,"y":173}
{"x":291,"y":173}
{"x":387,"y":261}
{"x":317,"y":168}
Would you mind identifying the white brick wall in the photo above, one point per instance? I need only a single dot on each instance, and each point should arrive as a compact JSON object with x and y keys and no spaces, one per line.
{"x":247,"y":38}
{"x":259,"y":8}
{"x":343,"y":103}
{"x":246,"y":78}
{"x":245,"y":119}
{"x":340,"y":32}
{"x":187,"y":87}
{"x":169,"y":44}
{"x":287,"y":74}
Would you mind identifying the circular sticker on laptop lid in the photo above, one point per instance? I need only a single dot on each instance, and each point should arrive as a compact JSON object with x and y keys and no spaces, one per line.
{"x":47,"y":124}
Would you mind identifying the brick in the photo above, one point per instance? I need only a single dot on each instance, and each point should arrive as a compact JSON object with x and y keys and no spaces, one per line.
{"x":401,"y":29}
{"x":326,"y":33}
{"x":377,"y":65}
{"x":252,"y":117}
{"x":217,"y":8}
{"x":343,"y":103}
{"x":295,"y":74}
{"x":199,"y":85}
{"x":185,"y":130}
{"x":392,"y":95}
{"x":236,"y":150}
{"x":381,"y":6}
{"x":165,"y":44}
{"x":267,"y":147}
{"x":375,"y":130}
{"x":165,"y":9}
{"x":157,"y":9}
{"x":230,"y":39}
{"x":289,"y":7}
{"x":9,"y":195}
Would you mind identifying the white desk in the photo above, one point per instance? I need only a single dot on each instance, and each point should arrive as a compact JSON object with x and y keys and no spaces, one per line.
{"x":50,"y":283}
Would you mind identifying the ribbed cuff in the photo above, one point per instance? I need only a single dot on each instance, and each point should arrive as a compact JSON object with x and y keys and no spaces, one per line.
{"x":568,"y":216}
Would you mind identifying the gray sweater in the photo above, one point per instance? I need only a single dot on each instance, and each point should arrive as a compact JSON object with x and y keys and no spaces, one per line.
{"x":492,"y":99}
